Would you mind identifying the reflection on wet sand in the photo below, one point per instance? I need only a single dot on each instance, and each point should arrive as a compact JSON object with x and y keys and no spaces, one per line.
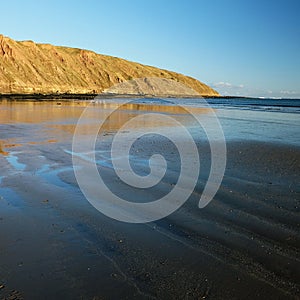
{"x":43,"y":142}
{"x":4,"y":144}
{"x":58,"y":120}
{"x":1,"y":149}
{"x":170,"y":109}
{"x":112,"y":123}
{"x":37,"y":112}
{"x":101,"y":110}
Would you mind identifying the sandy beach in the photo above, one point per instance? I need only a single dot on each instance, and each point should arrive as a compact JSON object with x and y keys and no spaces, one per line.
{"x":55,"y":245}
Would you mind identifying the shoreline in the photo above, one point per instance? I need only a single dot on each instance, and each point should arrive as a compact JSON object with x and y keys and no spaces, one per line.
{"x":91,"y":96}
{"x":67,"y":96}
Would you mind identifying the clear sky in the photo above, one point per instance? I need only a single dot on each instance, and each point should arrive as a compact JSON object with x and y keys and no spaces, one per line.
{"x":239,"y":47}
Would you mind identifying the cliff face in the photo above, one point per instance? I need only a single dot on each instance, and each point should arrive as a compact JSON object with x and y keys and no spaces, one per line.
{"x":152,"y":86}
{"x":27,"y":67}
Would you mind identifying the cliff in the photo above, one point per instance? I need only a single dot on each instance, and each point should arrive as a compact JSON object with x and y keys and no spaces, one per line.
{"x":27,"y":67}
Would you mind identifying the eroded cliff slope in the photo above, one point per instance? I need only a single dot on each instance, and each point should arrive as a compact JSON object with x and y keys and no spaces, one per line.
{"x":27,"y":67}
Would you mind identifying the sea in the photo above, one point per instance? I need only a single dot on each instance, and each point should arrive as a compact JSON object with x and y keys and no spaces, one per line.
{"x":255,"y":104}
{"x":254,"y":119}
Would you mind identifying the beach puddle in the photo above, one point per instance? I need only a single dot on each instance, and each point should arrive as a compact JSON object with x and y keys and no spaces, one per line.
{"x":13,"y":159}
{"x":52,"y":175}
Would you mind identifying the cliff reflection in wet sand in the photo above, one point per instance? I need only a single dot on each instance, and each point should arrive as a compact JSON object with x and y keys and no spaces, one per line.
{"x":41,"y":111}
{"x":62,"y":116}
{"x":5,"y":145}
{"x":3,"y":152}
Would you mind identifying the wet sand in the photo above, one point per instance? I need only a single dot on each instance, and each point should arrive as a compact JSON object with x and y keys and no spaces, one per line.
{"x":55,"y":245}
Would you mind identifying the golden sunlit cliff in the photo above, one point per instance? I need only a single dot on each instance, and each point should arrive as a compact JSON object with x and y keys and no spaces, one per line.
{"x":28,"y":68}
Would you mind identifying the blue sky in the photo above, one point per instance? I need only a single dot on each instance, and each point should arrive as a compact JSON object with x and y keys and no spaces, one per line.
{"x":239,"y":47}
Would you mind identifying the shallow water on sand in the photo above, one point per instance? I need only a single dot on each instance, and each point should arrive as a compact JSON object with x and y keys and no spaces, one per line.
{"x":33,"y":122}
